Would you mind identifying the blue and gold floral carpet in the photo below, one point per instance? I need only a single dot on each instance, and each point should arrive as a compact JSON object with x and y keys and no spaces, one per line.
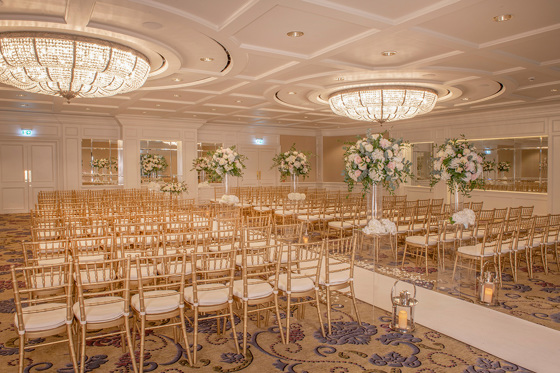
{"x":370,"y":347}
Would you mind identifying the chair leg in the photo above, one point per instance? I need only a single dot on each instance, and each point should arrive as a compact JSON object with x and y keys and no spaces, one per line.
{"x":327,"y":290}
{"x":232,"y":320}
{"x":354,"y":304}
{"x":71,"y":348}
{"x":288,"y":315}
{"x":404,"y":255}
{"x":129,"y":342}
{"x":455,"y":266}
{"x":195,"y":334}
{"x":319,"y":312}
{"x":278,"y":318}
{"x":245,"y":317}
{"x":185,"y":336}
{"x":82,"y":348}
{"x":142,"y":342}
{"x":21,"y":353}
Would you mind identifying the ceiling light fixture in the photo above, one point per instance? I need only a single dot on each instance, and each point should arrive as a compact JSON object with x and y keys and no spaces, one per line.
{"x":295,"y":34}
{"x":69,"y":66}
{"x":554,"y":90}
{"x":177,"y":79}
{"x":383,"y":103}
{"x":388,"y":53}
{"x":292,"y":93}
{"x":207,"y":59}
{"x":502,"y":18}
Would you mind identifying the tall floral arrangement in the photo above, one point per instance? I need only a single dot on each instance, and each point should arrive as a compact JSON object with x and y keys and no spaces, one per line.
{"x":504,"y":166}
{"x":488,"y":166}
{"x":226,"y":161}
{"x":292,"y":162}
{"x":101,"y":163}
{"x":152,"y":163}
{"x":459,"y":165}
{"x":174,"y":187}
{"x":200,"y":164}
{"x":376,"y":159}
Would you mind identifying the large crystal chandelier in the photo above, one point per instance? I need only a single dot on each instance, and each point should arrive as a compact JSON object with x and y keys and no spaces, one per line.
{"x":383,"y":103}
{"x":69,"y":65}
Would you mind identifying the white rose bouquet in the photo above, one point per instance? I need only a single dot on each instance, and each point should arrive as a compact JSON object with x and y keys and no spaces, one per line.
{"x":382,"y":226}
{"x":296,"y":196}
{"x":465,"y":217}
{"x":101,"y":163}
{"x":459,"y":165}
{"x":152,"y":163}
{"x":292,"y":162}
{"x":229,"y":199}
{"x":174,"y":188}
{"x":226,"y":161}
{"x":376,"y":159}
{"x":504,"y":166}
{"x":200,"y":164}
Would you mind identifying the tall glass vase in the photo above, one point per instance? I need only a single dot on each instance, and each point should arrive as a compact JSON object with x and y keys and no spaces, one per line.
{"x":454,"y":202}
{"x":226,"y":184}
{"x":375,"y":200}
{"x":202,"y":176}
{"x":294,"y":186}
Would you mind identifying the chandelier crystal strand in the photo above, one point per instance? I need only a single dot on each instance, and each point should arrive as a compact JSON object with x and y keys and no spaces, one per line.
{"x":69,"y":65}
{"x":383,"y":103}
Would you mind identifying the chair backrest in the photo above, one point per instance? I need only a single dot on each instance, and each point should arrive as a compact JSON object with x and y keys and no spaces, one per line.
{"x":91,"y":248}
{"x":492,"y":237}
{"x":45,"y":252}
{"x":500,"y":214}
{"x":540,"y":228}
{"x":48,"y":233}
{"x":258,"y":265}
{"x":48,"y":285}
{"x":552,"y":233}
{"x":110,"y":279}
{"x":138,"y":244}
{"x":303,"y":261}
{"x":527,"y":211}
{"x":338,"y":256}
{"x":288,"y":233}
{"x":211,"y":271}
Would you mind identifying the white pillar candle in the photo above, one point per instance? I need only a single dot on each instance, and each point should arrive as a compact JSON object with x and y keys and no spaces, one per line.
{"x":403,"y":319}
{"x":487,"y":296}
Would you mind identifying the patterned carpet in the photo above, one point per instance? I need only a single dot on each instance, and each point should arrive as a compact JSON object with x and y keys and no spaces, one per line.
{"x":536,"y":300}
{"x":370,"y":347}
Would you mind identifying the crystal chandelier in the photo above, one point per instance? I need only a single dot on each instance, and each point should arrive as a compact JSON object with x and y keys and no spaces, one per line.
{"x":69,"y":65}
{"x":383,"y":103}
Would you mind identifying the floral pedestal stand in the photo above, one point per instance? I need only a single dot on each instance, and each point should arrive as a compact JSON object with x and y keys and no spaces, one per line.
{"x":294,"y":183}
{"x":375,"y":211}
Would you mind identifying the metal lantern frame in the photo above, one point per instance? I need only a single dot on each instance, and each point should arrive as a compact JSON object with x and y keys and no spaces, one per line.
{"x":404,"y":301}
{"x":488,"y":285}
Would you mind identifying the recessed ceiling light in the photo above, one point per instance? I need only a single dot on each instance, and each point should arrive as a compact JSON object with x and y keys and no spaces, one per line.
{"x":194,"y":115}
{"x":177,"y":79}
{"x":502,"y":18}
{"x":20,"y":95}
{"x":176,"y":95}
{"x":554,"y":90}
{"x":238,"y":101}
{"x":213,"y":109}
{"x":465,"y":99}
{"x":304,"y":117}
{"x":295,"y":34}
{"x":292,"y":93}
{"x":531,"y":78}
{"x":24,"y":105}
{"x":88,"y":109}
{"x":388,"y":53}
{"x":158,"y":105}
{"x":143,"y":112}
{"x":207,"y":59}
{"x":339,"y":78}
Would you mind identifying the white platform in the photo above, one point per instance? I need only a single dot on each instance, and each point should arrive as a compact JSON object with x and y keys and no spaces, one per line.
{"x":518,"y":341}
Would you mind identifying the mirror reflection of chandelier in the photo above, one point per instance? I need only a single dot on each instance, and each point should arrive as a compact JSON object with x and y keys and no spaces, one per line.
{"x":383,"y":103}
{"x":69,"y":65}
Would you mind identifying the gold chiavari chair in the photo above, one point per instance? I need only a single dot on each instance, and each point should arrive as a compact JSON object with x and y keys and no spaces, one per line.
{"x":254,"y":291}
{"x":103,"y":302}
{"x":49,"y":314}
{"x":527,"y":211}
{"x":45,"y":252}
{"x":535,"y":247}
{"x":505,"y":246}
{"x":210,"y":295}
{"x":422,"y":244}
{"x":298,"y":279}
{"x":48,"y":233}
{"x":481,"y":252}
{"x":500,"y":214}
{"x":91,"y":248}
{"x":337,"y":271}
{"x":344,"y":221}
{"x":160,"y":297}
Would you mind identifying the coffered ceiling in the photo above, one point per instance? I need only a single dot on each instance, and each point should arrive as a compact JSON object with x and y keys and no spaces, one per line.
{"x":258,"y":75}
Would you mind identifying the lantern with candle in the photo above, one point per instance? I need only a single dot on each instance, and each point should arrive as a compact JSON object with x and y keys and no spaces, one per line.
{"x":487,"y":285}
{"x":402,"y":319}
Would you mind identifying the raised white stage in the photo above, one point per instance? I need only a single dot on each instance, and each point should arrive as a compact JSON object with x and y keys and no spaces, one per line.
{"x":518,"y":341}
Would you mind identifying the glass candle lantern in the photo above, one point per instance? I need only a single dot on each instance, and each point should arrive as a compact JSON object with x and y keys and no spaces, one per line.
{"x":487,"y":285}
{"x":402,"y":318}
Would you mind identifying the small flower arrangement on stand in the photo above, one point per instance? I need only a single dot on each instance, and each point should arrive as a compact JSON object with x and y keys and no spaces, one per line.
{"x":201,"y":165}
{"x":460,"y":166}
{"x":504,"y":167}
{"x":175,"y":188}
{"x":151,"y":164}
{"x":100,"y":163}
{"x":296,"y":196}
{"x":226,"y":162}
{"x":376,"y":161}
{"x":292,"y":163}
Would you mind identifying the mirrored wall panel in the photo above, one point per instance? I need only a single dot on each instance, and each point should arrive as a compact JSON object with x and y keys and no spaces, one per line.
{"x":515,"y":164}
{"x":159,"y":160}
{"x":421,"y":163}
{"x":100,"y":161}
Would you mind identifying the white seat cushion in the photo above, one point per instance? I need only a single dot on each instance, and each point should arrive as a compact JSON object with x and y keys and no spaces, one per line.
{"x":298,"y":285}
{"x":421,"y":240}
{"x":101,"y":309}
{"x":50,"y":261}
{"x":52,"y":316}
{"x":252,"y":260}
{"x":91,"y":258}
{"x":208,"y":294}
{"x":261,"y":208}
{"x":475,"y":250}
{"x":335,"y":278}
{"x":283,"y":213}
{"x":175,"y":268}
{"x":157,"y":301}
{"x":308,"y":218}
{"x":340,"y":224}
{"x":255,"y":288}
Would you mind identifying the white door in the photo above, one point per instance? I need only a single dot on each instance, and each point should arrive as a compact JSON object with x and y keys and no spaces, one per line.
{"x":25,"y":170}
{"x":258,"y":163}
